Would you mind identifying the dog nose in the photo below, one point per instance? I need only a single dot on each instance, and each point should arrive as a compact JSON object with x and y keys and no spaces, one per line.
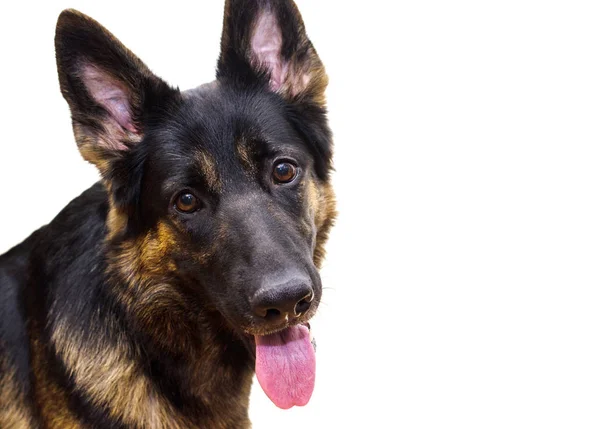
{"x":276,"y":302}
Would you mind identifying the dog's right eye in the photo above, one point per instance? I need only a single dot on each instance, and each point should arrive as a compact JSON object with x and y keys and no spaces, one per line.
{"x":187,"y":202}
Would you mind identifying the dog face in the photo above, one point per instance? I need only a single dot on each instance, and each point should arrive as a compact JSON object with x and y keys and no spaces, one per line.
{"x":218,"y":195}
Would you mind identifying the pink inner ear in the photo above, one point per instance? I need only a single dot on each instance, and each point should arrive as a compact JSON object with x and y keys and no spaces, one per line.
{"x":111,"y":94}
{"x":266,"y":48}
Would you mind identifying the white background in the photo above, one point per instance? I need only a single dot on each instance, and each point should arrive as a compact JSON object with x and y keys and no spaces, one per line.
{"x":463,"y":276}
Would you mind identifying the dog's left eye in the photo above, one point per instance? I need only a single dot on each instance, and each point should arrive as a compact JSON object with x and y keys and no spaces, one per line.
{"x":284,"y":172}
{"x":187,"y":202}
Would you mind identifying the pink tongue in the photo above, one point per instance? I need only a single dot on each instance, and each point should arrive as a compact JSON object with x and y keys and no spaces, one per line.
{"x":285,"y":366}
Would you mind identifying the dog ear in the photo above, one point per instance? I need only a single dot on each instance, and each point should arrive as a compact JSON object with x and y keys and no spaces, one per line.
{"x":111,"y":93}
{"x":265,"y":40}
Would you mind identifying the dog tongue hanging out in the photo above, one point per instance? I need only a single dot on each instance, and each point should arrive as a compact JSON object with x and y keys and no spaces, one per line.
{"x":285,"y":366}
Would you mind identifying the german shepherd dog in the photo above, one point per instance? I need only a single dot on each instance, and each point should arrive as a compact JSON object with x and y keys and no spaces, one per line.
{"x":153,"y":297}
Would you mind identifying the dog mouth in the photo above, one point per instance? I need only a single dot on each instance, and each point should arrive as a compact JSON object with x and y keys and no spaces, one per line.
{"x":285,"y":365}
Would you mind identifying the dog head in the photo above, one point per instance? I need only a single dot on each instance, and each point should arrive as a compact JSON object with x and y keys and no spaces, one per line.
{"x":219,"y":197}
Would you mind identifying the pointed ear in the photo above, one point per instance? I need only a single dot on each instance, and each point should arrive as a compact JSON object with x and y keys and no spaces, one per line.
{"x":266,"y":40}
{"x":111,"y":93}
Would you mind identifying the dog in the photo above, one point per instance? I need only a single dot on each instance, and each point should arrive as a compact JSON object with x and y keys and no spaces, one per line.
{"x":153,"y":298}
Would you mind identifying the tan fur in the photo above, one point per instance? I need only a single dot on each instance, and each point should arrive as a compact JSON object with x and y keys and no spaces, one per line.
{"x":322,"y":201}
{"x":116,"y":220}
{"x":307,"y":80}
{"x":96,"y":147}
{"x":244,"y":154}
{"x":144,"y":265}
{"x":52,"y":401}
{"x":111,"y":378}
{"x":208,"y":167}
{"x":147,"y":256}
{"x":14,"y":413}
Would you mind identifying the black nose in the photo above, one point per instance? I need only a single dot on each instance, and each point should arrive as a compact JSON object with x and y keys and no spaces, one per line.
{"x":276,"y":301}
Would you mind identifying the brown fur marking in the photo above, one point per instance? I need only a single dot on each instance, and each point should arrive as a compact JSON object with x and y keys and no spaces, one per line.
{"x":245,"y":156}
{"x":322,"y":201}
{"x":14,"y":410}
{"x":51,"y":400}
{"x":146,"y":267}
{"x":112,"y":378}
{"x":208,"y":167}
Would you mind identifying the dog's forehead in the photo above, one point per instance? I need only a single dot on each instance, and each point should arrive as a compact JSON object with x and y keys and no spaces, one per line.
{"x":216,"y":129}
{"x":215,"y":114}
{"x":216,"y":118}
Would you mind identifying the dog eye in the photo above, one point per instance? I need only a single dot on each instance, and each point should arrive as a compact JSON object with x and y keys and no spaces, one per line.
{"x":284,"y":172}
{"x":187,"y":203}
